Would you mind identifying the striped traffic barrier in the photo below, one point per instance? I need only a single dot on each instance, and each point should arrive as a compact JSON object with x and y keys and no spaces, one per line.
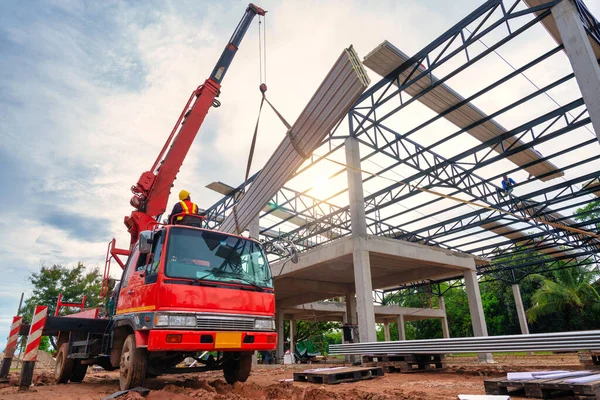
{"x":33,"y":344}
{"x":11,"y":346}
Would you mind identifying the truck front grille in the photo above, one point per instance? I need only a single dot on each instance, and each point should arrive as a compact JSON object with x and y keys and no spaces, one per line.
{"x":224,"y":324}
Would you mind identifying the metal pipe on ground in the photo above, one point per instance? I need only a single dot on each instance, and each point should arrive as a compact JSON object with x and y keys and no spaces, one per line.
{"x":344,"y":83}
{"x":563,"y":341}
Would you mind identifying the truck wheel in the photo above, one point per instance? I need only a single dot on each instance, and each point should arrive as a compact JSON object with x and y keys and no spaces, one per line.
{"x":79,"y":371}
{"x":64,"y":365}
{"x":237,"y":367}
{"x":133,"y":364}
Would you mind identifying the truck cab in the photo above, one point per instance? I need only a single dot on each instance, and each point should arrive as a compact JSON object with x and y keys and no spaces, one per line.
{"x":185,"y":291}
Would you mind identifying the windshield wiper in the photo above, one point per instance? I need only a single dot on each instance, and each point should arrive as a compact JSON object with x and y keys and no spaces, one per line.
{"x":234,"y":275}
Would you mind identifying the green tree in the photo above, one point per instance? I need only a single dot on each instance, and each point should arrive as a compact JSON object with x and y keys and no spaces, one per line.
{"x":73,"y":283}
{"x":589,"y":212}
{"x":570,"y":292}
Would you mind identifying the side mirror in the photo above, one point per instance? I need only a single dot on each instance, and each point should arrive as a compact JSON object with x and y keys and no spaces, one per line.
{"x":287,"y":249}
{"x":145,"y":242}
{"x":293,"y":254}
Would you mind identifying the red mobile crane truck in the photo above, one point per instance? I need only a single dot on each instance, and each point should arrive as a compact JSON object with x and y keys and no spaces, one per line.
{"x":184,"y":290}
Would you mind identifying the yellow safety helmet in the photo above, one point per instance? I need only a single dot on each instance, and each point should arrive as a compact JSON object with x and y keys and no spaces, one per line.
{"x":184,"y":194}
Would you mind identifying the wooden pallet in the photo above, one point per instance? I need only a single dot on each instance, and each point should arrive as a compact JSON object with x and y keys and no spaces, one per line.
{"x":330,"y":376}
{"x":590,"y":359}
{"x":405,"y":362}
{"x":407,"y":367}
{"x":414,"y":358}
{"x":544,"y":388}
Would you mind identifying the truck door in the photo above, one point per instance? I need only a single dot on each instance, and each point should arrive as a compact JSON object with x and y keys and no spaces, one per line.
{"x":125,"y":302}
{"x":142,"y":283}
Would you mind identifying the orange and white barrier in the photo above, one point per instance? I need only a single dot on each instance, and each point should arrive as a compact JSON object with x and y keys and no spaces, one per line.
{"x":35,"y":333}
{"x":33,"y":344}
{"x":11,"y":346}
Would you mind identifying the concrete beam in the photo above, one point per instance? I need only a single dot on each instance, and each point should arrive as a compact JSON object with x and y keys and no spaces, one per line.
{"x":312,"y":258}
{"x":411,"y":275}
{"x":418,"y":252}
{"x":293,"y":285}
{"x":295,"y":300}
{"x":581,"y":56}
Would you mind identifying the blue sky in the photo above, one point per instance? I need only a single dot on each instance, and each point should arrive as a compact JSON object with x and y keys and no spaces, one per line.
{"x":90,"y":90}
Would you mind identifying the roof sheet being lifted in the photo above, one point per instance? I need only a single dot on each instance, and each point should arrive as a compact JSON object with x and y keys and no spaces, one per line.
{"x":386,"y":57}
{"x":344,"y":83}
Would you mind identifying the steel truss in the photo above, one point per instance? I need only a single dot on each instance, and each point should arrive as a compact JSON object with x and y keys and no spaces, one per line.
{"x":539,"y":222}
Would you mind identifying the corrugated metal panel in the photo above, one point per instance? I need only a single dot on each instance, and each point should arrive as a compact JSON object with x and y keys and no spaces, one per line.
{"x":581,"y":340}
{"x":342,"y":86}
{"x":386,"y":57}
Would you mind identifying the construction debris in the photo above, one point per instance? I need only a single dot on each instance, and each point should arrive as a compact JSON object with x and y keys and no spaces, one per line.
{"x":549,"y":385}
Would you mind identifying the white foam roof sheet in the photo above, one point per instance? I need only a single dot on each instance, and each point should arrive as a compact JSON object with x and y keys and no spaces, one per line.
{"x":342,"y":86}
{"x":386,"y":57}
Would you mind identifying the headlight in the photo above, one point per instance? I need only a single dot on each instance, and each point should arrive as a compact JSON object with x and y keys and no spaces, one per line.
{"x":264,"y":324}
{"x":182,"y":320}
{"x":161,"y":320}
{"x":174,"y":320}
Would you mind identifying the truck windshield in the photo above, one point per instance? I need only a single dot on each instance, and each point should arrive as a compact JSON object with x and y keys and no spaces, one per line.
{"x":213,"y":256}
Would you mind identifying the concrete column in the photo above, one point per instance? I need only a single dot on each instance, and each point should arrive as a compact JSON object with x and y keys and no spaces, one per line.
{"x":351,"y":317}
{"x":360,"y":257}
{"x":581,"y":56}
{"x":292,"y":337}
{"x":254,"y":228}
{"x":280,"y":337}
{"x":401,"y":330}
{"x":445,"y":329}
{"x":476,"y":309}
{"x":386,"y":331}
{"x":355,"y":189}
{"x":520,"y":309}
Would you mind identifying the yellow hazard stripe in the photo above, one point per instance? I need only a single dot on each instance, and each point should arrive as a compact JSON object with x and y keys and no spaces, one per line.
{"x":184,"y":206}
{"x":136,"y":309}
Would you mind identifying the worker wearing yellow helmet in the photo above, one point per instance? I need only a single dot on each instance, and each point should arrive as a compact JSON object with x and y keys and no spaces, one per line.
{"x":185,"y":206}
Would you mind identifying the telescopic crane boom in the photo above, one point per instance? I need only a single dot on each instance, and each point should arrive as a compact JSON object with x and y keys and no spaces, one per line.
{"x":151,"y":192}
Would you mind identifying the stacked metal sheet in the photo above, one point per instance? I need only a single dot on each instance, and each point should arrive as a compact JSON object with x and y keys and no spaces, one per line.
{"x":386,"y":57}
{"x":564,"y":341}
{"x":342,"y":86}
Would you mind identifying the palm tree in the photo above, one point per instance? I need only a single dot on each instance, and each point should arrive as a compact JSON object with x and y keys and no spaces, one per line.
{"x":570,"y":289}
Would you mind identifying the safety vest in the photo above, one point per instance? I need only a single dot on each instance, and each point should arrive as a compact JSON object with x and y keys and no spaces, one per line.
{"x":188,"y":208}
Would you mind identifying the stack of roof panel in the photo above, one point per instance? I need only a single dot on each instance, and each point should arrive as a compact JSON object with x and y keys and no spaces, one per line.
{"x":562,"y":341}
{"x":385,"y":58}
{"x":342,"y":86}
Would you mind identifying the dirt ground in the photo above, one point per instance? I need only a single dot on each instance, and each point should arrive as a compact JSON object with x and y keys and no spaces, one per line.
{"x":463,"y":376}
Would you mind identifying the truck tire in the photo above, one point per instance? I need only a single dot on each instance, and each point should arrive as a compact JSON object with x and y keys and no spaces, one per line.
{"x":79,"y":371}
{"x":64,"y":366}
{"x":133,"y":364}
{"x":237,"y":367}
